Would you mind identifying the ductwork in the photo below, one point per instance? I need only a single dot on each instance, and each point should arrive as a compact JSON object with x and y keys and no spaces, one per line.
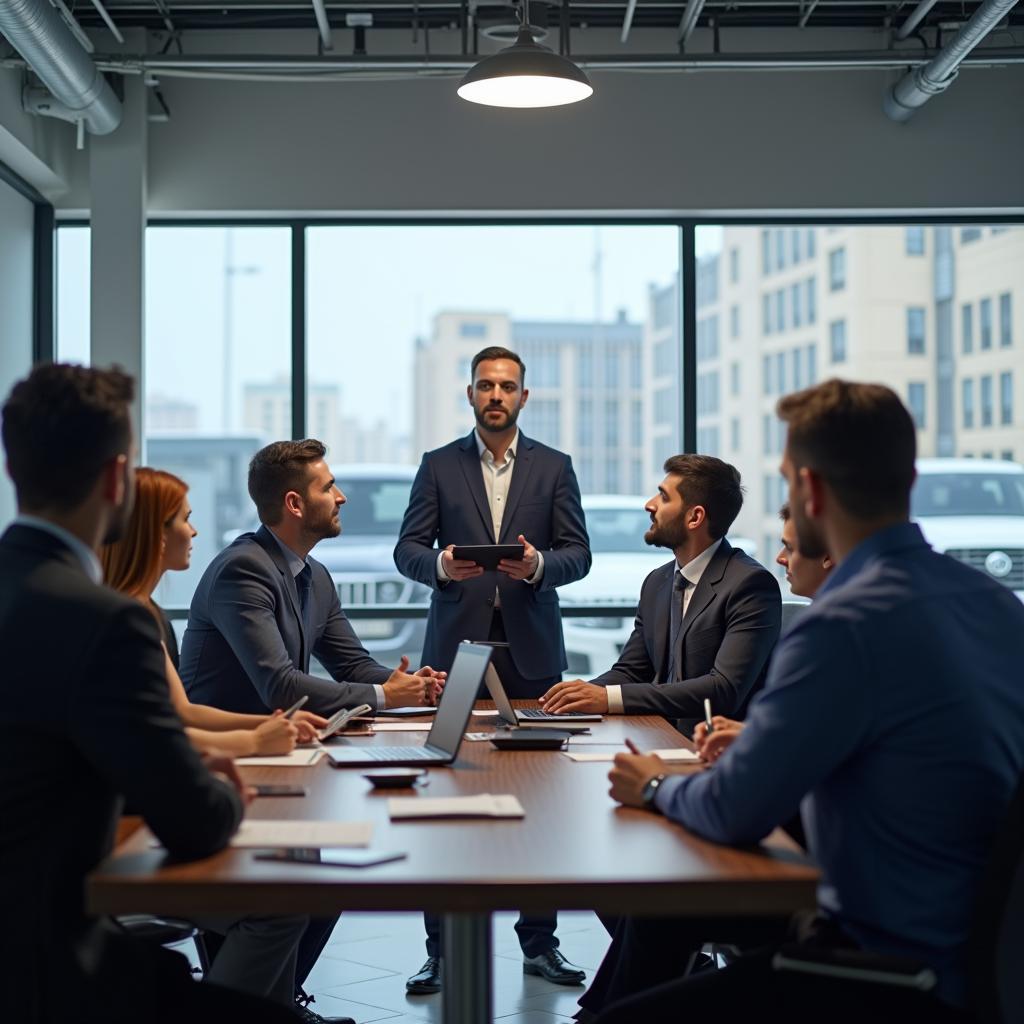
{"x":39,"y":34}
{"x":916,"y":87}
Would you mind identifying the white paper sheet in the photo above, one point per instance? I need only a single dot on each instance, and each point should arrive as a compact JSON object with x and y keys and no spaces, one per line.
{"x":300,"y":757}
{"x":483,"y":805}
{"x":259,"y":833}
{"x":401,"y":727}
{"x":485,"y":714}
{"x":676,"y":754}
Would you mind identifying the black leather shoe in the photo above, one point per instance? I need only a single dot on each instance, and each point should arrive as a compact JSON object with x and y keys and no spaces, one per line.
{"x":307,"y":1016}
{"x":427,"y":980}
{"x":553,"y":967}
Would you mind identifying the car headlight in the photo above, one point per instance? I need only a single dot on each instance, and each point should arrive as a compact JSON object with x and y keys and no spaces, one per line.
{"x":389,"y":592}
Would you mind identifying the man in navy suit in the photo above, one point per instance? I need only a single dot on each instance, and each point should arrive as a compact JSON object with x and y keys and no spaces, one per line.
{"x":497,"y":486}
{"x":707,"y":621}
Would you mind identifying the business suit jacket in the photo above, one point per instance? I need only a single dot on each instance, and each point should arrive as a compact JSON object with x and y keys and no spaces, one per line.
{"x":85,"y":723}
{"x":730,"y":629}
{"x":448,"y":505}
{"x":246,"y":648}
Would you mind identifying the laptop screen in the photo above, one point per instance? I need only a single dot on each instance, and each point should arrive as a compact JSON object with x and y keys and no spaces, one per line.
{"x":460,"y":692}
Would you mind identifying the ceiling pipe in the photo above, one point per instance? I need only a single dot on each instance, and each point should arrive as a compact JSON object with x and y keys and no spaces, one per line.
{"x":917,"y":15}
{"x":689,"y":20}
{"x":38,"y":33}
{"x":627,"y":21}
{"x":917,"y":87}
{"x":323,"y":26}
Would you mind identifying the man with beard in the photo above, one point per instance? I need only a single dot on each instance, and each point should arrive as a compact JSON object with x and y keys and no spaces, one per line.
{"x":893,"y":716}
{"x":707,"y":621}
{"x":86,"y":724}
{"x":497,"y":486}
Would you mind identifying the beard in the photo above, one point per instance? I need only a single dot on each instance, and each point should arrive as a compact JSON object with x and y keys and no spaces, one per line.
{"x":809,"y":538}
{"x":668,"y":535}
{"x":507,"y":423}
{"x":325,"y":526}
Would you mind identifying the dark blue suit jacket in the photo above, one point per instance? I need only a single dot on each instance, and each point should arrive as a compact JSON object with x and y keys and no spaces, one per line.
{"x":246,"y":649}
{"x":448,"y":505}
{"x":731,"y":627}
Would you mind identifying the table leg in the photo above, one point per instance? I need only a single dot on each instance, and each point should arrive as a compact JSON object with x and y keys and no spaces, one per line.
{"x":466,"y":945}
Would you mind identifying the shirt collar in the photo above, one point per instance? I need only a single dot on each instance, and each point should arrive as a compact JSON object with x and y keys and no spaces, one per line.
{"x":694,"y":568}
{"x":81,"y":550}
{"x":892,"y":538}
{"x":485,"y":453}
{"x":295,"y":564}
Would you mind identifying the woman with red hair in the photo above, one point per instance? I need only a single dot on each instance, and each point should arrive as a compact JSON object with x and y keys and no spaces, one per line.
{"x":158,"y":538}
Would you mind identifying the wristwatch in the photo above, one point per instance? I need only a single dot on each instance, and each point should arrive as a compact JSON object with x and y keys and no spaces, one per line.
{"x":650,"y":789}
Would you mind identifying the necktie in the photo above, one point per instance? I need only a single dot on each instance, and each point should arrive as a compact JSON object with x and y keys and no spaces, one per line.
{"x":679,"y":584}
{"x":304,"y":584}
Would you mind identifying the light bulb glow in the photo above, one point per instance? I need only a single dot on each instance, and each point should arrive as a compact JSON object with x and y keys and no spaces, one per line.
{"x":525,"y":91}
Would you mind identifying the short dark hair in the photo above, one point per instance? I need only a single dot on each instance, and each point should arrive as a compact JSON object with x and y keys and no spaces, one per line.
{"x":277,"y":469}
{"x":712,"y":483}
{"x":497,"y":352}
{"x":859,"y":438}
{"x":61,"y":425}
{"x":785,"y":512}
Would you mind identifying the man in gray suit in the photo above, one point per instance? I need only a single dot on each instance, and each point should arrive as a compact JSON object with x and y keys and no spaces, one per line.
{"x":263,"y":606}
{"x":707,"y":622}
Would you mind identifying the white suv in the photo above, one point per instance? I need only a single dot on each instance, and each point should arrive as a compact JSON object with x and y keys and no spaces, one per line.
{"x":973,"y":511}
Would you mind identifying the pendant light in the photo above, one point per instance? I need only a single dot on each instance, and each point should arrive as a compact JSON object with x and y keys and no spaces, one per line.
{"x":525,"y":74}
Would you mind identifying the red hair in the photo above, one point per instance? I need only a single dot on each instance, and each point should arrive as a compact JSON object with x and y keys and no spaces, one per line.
{"x":132,"y":564}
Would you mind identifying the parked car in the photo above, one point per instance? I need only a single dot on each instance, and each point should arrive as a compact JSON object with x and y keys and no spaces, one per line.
{"x":621,"y":561}
{"x":973,"y":511}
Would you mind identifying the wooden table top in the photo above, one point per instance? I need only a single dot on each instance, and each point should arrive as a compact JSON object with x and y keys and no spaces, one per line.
{"x":575,"y":849}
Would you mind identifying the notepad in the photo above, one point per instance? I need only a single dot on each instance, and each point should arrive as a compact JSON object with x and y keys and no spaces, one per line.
{"x":675,"y":754}
{"x":483,"y":805}
{"x":259,"y":833}
{"x":301,"y":757}
{"x":401,"y":727}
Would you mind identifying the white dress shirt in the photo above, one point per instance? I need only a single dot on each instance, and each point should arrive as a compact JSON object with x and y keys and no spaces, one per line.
{"x":84,"y":553}
{"x":691,"y":572}
{"x":497,"y":481}
{"x":295,"y":566}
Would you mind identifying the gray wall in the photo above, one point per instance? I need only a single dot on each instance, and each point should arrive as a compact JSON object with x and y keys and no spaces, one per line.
{"x":17,"y":216}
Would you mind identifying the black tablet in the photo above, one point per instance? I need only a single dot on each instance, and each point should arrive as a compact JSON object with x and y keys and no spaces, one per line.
{"x":487,"y":555}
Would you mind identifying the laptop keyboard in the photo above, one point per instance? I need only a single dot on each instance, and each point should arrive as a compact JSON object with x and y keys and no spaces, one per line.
{"x":538,"y":713}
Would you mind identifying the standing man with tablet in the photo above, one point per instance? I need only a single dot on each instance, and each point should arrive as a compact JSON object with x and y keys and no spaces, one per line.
{"x":497,"y":486}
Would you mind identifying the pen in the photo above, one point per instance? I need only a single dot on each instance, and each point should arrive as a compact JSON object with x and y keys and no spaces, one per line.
{"x":633,"y":748}
{"x":295,"y":707}
{"x":707,"y":715}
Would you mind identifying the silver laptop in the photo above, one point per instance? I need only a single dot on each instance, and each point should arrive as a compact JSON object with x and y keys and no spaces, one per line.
{"x":508,"y":715}
{"x":445,"y":736}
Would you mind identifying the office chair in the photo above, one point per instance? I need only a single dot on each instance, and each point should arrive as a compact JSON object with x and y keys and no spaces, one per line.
{"x":167,"y":931}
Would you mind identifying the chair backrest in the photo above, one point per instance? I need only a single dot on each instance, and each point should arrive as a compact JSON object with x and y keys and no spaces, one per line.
{"x":997,"y":938}
{"x":791,"y":611}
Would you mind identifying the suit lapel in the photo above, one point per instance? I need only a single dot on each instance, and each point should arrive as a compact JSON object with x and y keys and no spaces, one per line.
{"x":704,"y":593}
{"x":268,"y":542}
{"x":469,"y":460}
{"x":520,"y":476}
{"x":662,"y":625}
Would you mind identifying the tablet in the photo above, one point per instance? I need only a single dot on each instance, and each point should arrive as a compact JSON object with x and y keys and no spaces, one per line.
{"x":487,"y":555}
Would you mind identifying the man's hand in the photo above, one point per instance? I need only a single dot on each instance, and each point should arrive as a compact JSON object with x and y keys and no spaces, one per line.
{"x":459,"y":569}
{"x":575,"y":695}
{"x":402,"y":690}
{"x":436,"y":680}
{"x":521,"y":568}
{"x":629,"y":775}
{"x":223,"y":766}
{"x":724,"y":733}
{"x":307,"y":725}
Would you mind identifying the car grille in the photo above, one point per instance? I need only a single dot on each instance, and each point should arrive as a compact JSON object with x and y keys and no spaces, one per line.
{"x":360,"y":591}
{"x":977,"y":558}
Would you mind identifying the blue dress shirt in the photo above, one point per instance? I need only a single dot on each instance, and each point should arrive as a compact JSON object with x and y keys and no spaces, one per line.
{"x":894,"y":710}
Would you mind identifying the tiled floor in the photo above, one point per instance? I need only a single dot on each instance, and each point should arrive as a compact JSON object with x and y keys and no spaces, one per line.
{"x":362,"y":972}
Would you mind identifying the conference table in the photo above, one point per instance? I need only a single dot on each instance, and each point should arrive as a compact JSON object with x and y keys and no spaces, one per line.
{"x":574,"y":850}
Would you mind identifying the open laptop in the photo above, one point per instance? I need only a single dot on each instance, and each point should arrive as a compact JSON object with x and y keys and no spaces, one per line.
{"x":445,"y":736}
{"x":508,"y":715}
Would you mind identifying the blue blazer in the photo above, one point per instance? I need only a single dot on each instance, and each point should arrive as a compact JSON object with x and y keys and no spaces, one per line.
{"x":731,"y":627}
{"x":245,"y":648}
{"x":448,"y":505}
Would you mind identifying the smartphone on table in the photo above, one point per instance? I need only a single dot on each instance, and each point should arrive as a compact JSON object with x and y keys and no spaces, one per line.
{"x":331,"y":856}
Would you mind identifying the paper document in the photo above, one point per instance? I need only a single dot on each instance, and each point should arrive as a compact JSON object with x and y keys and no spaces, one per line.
{"x":676,"y":754}
{"x":478,"y":737}
{"x":300,"y":757}
{"x":303,"y":833}
{"x":401,"y":727}
{"x":484,"y":805}
{"x":485,"y":714}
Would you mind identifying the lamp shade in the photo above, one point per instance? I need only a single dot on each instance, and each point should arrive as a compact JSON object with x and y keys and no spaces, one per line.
{"x":525,"y":75}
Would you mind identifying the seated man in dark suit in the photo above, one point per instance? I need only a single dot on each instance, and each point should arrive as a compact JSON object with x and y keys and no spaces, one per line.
{"x":707,"y":621}
{"x":85,"y":723}
{"x":264,"y":607}
{"x":893,"y":715}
